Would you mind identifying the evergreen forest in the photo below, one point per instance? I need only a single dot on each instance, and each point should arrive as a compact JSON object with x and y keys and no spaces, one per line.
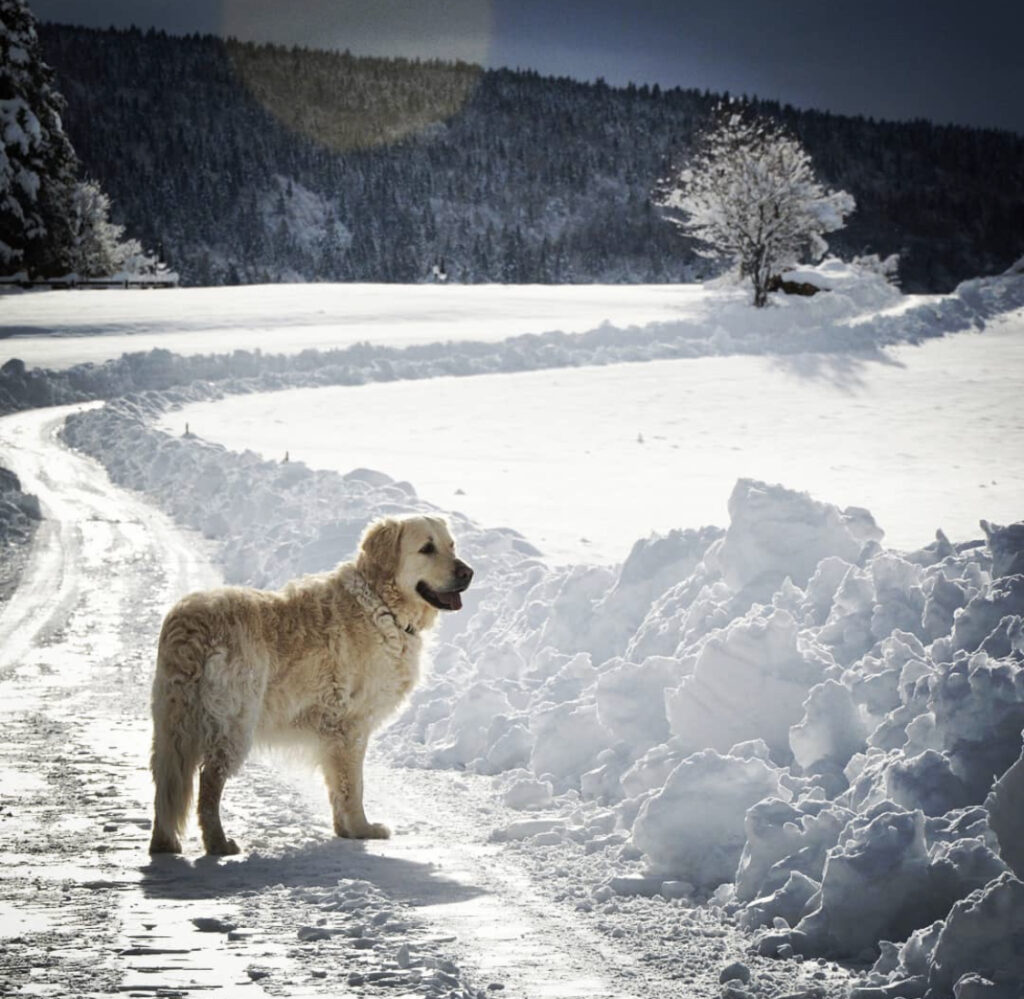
{"x":243,"y":163}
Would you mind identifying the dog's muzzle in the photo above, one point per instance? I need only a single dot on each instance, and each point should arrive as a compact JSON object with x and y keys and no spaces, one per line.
{"x":451,"y":598}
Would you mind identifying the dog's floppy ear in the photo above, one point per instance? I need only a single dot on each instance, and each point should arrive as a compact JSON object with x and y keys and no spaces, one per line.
{"x":379,"y":549}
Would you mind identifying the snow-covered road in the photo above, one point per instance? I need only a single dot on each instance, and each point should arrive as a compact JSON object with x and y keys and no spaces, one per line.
{"x":438,"y":910}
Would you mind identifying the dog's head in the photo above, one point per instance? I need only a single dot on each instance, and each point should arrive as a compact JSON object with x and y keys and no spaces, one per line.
{"x":414,"y":557}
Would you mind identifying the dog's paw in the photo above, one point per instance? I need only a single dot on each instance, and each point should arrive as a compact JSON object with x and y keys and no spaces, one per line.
{"x":222,"y":848}
{"x":369,"y":830}
{"x":162,"y":843}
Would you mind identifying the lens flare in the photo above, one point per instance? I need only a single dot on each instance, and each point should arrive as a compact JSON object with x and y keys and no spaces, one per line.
{"x":347,"y":93}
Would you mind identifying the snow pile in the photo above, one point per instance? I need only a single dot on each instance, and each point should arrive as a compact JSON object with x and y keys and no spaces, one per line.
{"x":276,"y":520}
{"x":863,"y":314}
{"x":806,"y":715}
{"x":19,"y":518}
{"x":19,"y":511}
{"x":833,"y":275}
{"x":785,"y":707}
{"x":692,"y":827}
{"x":774,"y":534}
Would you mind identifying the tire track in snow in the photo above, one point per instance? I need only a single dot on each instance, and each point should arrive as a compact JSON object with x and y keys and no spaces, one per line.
{"x":77,"y":639}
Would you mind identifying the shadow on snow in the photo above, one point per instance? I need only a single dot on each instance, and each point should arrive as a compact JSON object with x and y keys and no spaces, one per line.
{"x":320,"y":865}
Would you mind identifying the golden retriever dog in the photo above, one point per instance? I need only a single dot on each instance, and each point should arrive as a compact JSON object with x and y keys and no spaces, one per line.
{"x":320,"y":663}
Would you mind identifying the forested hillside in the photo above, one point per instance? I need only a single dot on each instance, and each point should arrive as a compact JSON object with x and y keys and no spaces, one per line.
{"x":244,"y":163}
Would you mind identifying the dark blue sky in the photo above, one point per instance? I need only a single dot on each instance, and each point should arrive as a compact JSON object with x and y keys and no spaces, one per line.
{"x":938,"y":59}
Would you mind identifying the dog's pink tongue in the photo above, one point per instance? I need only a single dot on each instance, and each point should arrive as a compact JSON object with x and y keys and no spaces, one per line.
{"x":454,"y":601}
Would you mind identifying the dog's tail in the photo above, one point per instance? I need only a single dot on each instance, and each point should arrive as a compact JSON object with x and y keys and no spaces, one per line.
{"x":177,"y":729}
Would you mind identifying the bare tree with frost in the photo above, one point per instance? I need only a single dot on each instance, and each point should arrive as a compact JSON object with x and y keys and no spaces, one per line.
{"x":99,"y":248}
{"x":748,"y":194}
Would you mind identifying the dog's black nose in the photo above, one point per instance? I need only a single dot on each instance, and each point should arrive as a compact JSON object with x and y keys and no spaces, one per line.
{"x":463,"y":573}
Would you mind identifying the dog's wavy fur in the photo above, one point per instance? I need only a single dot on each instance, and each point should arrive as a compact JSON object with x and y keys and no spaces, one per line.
{"x":321,"y":663}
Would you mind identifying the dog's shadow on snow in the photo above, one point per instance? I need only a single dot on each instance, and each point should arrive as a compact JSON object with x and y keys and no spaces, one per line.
{"x":319,"y":865}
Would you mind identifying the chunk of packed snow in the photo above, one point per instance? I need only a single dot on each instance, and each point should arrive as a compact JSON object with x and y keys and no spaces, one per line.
{"x":525,"y":829}
{"x":986,"y":610}
{"x":883,"y":881}
{"x":783,"y":838}
{"x":774,"y":533}
{"x":1007,"y":547}
{"x":975,"y":713}
{"x":528,"y":793}
{"x":832,"y":729}
{"x":652,"y":566}
{"x":568,"y":738}
{"x":1005,"y":805}
{"x":693,"y":826}
{"x":971,"y":985}
{"x":925,"y":781}
{"x":631,"y":699}
{"x":750,"y":681}
{"x":982,"y":935}
{"x":787,"y":903}
{"x":874,"y":886}
{"x":465,"y":733}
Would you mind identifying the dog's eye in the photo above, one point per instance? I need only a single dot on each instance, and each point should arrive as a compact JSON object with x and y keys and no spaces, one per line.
{"x":428,"y":548}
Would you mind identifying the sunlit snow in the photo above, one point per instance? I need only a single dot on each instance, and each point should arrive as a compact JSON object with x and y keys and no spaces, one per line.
{"x":288,"y":318}
{"x":652,"y":770}
{"x":585,"y":461}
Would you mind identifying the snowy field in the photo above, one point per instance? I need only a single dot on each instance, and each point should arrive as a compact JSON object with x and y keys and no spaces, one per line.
{"x":776,"y":757}
{"x":55,"y":329}
{"x":584,"y":462}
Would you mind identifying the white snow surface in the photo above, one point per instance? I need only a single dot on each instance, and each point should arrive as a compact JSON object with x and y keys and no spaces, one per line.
{"x":779,"y":724}
{"x":57,"y":329}
{"x":463,"y":901}
{"x":584,"y":461}
{"x":537,"y":680}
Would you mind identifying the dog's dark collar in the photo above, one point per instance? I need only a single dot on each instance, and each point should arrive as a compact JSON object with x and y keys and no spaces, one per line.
{"x":356,"y":584}
{"x":408,"y":629}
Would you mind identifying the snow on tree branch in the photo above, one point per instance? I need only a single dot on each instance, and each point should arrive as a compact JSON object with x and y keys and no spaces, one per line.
{"x":749,"y":195}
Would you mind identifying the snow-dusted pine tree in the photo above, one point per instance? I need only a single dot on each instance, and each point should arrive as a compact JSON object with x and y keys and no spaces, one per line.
{"x":748,"y":194}
{"x":38,"y":167}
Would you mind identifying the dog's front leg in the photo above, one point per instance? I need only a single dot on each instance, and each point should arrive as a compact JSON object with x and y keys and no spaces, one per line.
{"x":343,"y":771}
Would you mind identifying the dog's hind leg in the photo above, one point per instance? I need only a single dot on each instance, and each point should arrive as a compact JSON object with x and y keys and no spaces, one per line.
{"x":212,"y":776}
{"x":342,"y":761}
{"x":231,"y":694}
